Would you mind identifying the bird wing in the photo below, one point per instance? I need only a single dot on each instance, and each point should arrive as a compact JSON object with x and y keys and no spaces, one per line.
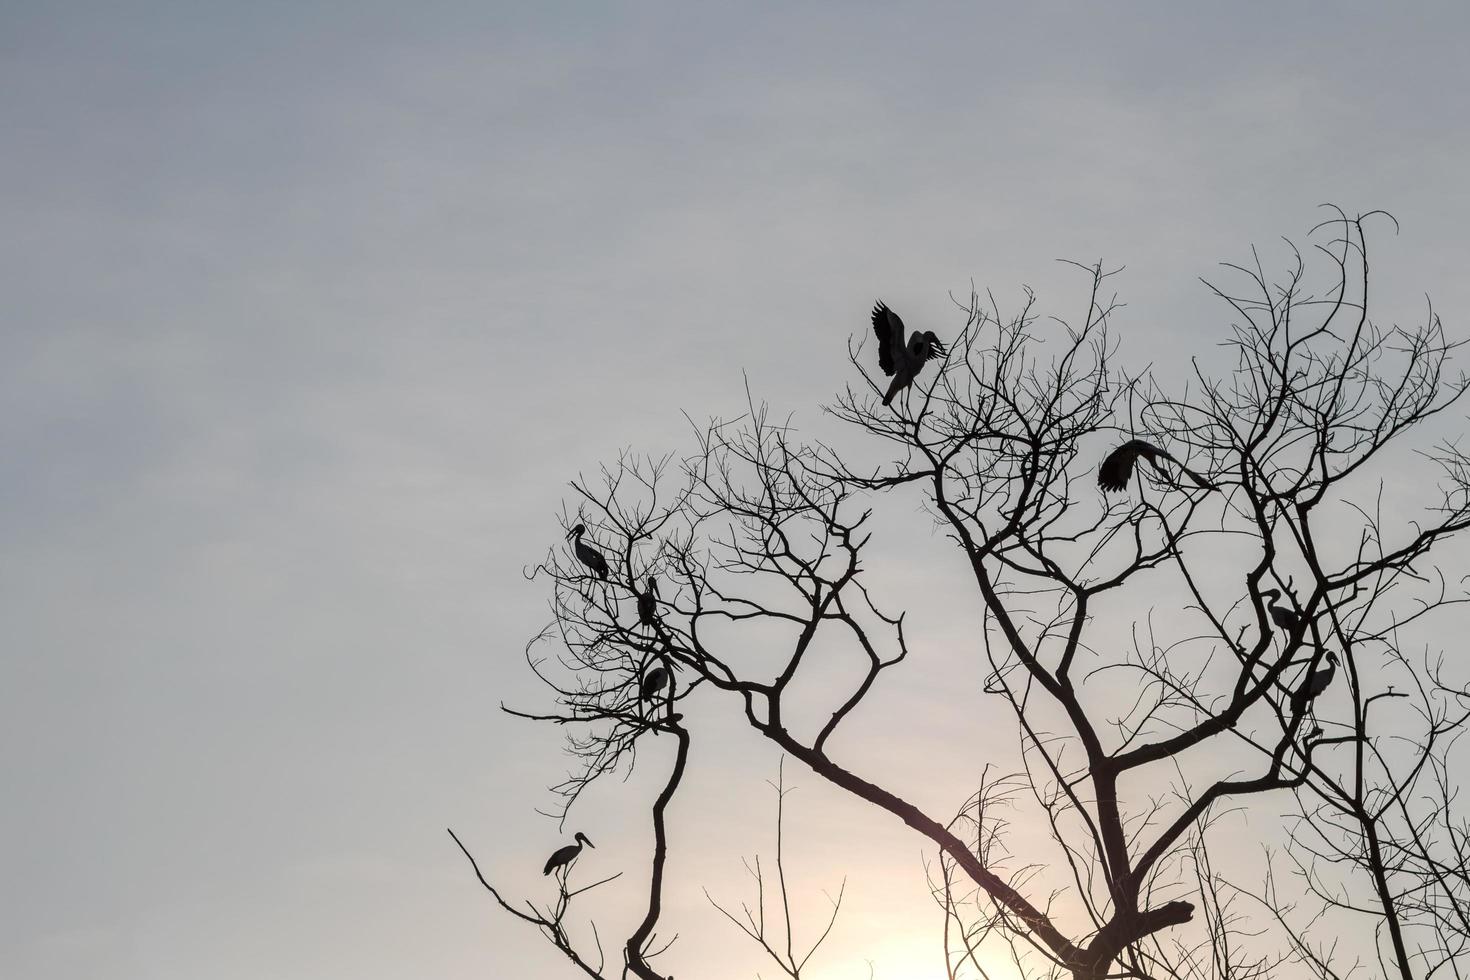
{"x":1200,"y":481}
{"x":1145,"y":449}
{"x":931,"y":348}
{"x":592,"y":558}
{"x":561,"y":856}
{"x":889,"y":329}
{"x":1114,"y":472}
{"x":653,"y":682}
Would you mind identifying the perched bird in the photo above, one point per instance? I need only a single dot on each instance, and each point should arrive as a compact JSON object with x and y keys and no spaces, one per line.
{"x":1314,"y":685}
{"x":653,"y":682}
{"x":1115,"y":470}
{"x":586,"y":554}
{"x":566,"y":855}
{"x":902,"y":361}
{"x":1283,"y":616}
{"x":648,"y":603}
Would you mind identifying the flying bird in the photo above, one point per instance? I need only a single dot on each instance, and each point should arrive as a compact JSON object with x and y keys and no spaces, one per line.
{"x":648,"y":603}
{"x":564,"y":856}
{"x":1283,"y":616}
{"x":902,"y":361}
{"x":586,"y":554}
{"x":1314,"y":685}
{"x":1115,"y":470}
{"x":653,"y":682}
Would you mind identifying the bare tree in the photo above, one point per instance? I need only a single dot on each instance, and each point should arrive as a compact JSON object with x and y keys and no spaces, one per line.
{"x":775,"y":934}
{"x":1252,"y":553}
{"x":1386,"y":817}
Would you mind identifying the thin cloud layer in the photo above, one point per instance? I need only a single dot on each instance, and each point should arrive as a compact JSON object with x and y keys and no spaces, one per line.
{"x":312,"y":312}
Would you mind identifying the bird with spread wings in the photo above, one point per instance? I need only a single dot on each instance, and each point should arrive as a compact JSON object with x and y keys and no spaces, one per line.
{"x":1114,"y":472}
{"x":902,"y":361}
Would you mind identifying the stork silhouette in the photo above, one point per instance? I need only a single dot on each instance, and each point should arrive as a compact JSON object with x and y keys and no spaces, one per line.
{"x":1115,"y":470}
{"x":653,"y":682}
{"x":564,"y":856}
{"x":586,"y":554}
{"x":1285,"y":617}
{"x":901,"y":360}
{"x":1314,"y":685}
{"x":648,"y":603}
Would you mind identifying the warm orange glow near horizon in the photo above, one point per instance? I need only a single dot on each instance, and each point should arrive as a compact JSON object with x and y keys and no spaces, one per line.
{"x":906,"y":956}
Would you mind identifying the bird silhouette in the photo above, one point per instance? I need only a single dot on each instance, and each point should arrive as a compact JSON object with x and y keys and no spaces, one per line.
{"x":586,"y":554}
{"x":648,"y":603}
{"x":564,"y":856}
{"x":901,"y":360}
{"x":1115,"y":470}
{"x":1314,"y":685}
{"x":1283,"y":616}
{"x":653,"y":682}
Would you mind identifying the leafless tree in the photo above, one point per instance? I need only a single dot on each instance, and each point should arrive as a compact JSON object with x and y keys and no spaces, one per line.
{"x":1386,"y":816}
{"x":1253,"y":552}
{"x":775,"y":934}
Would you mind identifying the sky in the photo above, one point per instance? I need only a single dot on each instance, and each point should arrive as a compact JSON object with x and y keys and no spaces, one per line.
{"x":311,"y":311}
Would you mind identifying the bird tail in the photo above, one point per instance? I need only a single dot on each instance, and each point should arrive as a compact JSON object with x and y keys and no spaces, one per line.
{"x":1199,"y":480}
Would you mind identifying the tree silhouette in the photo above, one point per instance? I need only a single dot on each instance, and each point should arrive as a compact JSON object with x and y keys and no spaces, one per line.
{"x":1267,"y":493}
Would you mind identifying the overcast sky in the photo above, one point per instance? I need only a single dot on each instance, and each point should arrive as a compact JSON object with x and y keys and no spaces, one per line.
{"x":309,"y":312}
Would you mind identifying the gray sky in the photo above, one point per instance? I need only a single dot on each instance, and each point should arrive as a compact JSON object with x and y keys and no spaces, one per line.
{"x":311,"y":311}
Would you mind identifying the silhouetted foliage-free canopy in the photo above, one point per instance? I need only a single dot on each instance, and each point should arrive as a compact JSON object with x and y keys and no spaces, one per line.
{"x":1165,"y":590}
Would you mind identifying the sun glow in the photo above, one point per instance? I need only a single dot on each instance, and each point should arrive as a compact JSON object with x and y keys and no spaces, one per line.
{"x":909,"y":958}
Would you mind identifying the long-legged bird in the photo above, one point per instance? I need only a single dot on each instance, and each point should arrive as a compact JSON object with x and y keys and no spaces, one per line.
{"x":1314,"y":685}
{"x":566,"y":855}
{"x":648,"y":603}
{"x":586,"y":554}
{"x":653,"y":682}
{"x":901,"y":360}
{"x":1283,"y":616}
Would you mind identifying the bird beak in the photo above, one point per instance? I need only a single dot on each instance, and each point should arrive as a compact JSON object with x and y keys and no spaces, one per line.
{"x":588,"y":843}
